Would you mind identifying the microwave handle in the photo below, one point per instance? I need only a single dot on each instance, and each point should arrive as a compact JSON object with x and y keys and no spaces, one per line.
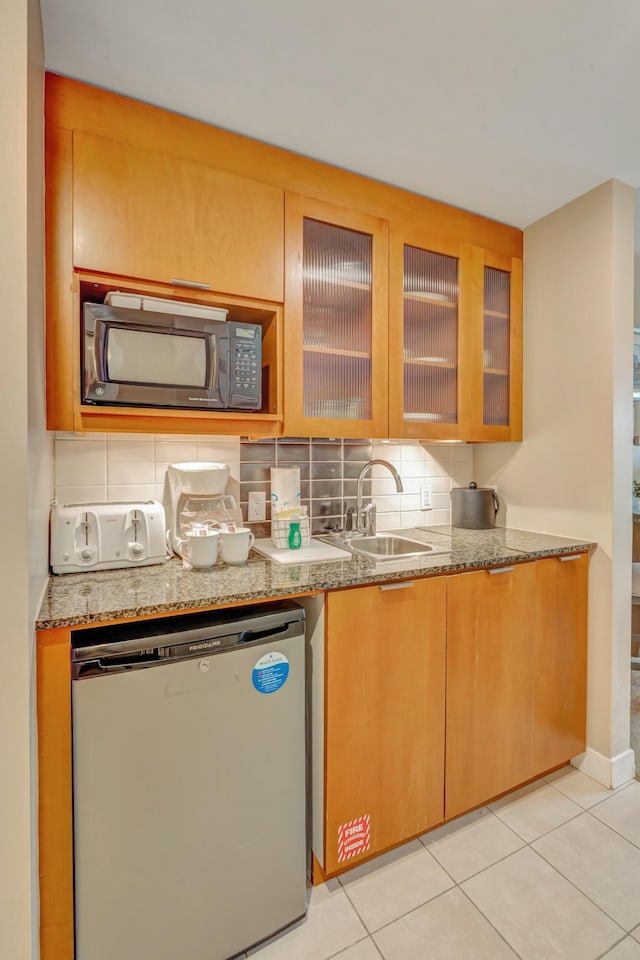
{"x":215,"y":362}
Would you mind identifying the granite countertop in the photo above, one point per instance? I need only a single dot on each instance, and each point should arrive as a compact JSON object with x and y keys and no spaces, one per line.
{"x":79,"y":598}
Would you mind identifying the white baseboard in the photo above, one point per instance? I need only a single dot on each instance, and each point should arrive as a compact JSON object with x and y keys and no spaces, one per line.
{"x":610,"y":771}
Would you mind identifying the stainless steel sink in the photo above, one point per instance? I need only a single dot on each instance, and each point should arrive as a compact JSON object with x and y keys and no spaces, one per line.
{"x":385,"y":546}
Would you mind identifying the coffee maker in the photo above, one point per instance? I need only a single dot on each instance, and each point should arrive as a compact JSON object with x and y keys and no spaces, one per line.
{"x":194,"y":499}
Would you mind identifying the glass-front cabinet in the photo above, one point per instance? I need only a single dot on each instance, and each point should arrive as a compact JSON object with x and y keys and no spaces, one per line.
{"x":336,"y":298}
{"x":394,"y":331}
{"x":428,"y":298}
{"x":496,"y":365}
{"x":455,"y":340}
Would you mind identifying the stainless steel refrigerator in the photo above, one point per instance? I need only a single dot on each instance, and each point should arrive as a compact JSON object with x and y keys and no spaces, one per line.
{"x":189,"y":784}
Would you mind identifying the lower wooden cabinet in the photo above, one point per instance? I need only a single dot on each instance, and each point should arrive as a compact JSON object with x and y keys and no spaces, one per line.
{"x":384,"y":717}
{"x":516,"y":676}
{"x":489,"y":689}
{"x":560,"y":673}
{"x":441,"y":694}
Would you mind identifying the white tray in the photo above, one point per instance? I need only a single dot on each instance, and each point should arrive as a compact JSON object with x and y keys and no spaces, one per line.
{"x":134,"y":301}
{"x":316,"y":552}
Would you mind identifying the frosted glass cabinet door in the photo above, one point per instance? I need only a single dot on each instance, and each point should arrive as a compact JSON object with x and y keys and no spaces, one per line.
{"x":425,"y":337}
{"x":497,"y":406}
{"x":336,"y":321}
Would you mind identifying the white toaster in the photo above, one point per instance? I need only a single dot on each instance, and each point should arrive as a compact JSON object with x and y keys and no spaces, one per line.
{"x":105,"y":536}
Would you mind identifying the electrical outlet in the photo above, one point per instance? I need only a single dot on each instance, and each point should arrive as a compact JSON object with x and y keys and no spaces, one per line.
{"x":425,"y":496}
{"x":257,"y":508}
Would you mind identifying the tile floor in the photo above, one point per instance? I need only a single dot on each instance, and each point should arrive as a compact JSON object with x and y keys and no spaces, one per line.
{"x":551,"y":871}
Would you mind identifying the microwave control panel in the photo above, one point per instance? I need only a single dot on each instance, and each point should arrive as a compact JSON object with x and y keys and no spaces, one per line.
{"x":246,"y":366}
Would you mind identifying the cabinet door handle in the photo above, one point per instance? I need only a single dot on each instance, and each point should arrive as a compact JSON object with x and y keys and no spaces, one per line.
{"x":574,"y":556}
{"x":193,"y":284}
{"x":403,"y":585}
{"x":501,"y":570}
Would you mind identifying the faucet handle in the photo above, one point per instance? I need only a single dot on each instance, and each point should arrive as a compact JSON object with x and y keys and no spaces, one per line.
{"x":350,"y":520}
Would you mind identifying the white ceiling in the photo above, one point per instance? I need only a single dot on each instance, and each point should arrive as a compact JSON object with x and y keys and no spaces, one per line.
{"x":509,"y":108}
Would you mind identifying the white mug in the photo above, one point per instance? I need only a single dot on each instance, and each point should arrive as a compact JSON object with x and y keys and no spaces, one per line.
{"x":201,"y":548}
{"x":235,"y":546}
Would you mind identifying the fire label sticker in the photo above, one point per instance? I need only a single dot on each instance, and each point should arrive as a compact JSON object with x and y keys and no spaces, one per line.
{"x":354,"y":837}
{"x":270,"y":672}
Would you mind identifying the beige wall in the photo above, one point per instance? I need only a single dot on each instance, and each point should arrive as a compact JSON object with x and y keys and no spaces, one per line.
{"x":24,"y":445}
{"x":571,"y":475}
{"x":40,"y":443}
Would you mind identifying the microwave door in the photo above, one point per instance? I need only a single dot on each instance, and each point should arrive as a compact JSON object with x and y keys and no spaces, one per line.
{"x":145,"y":365}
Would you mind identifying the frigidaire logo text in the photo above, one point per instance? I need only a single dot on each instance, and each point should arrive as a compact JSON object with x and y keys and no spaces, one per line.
{"x":205,"y":645}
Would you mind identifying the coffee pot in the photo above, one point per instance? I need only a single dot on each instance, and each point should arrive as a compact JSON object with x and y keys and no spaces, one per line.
{"x":194,"y":500}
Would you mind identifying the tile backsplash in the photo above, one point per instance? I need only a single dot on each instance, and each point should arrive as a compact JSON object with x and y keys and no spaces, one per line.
{"x":94,"y":467}
{"x":126,"y":466}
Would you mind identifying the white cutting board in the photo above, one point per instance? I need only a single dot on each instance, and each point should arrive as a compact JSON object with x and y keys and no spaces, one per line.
{"x":316,"y":552}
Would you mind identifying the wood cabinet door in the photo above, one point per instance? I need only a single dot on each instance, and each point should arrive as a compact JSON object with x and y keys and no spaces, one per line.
{"x":560,"y":664}
{"x":336,"y":310}
{"x":490,"y":709}
{"x":495,"y":361}
{"x":428,"y":337}
{"x":384,"y":715}
{"x":145,"y":214}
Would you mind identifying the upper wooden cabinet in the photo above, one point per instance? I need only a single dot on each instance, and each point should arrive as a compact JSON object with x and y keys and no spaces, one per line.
{"x":146,"y":214}
{"x":495,"y":366}
{"x":402,"y":315}
{"x":455,"y":340}
{"x":336,"y":321}
{"x":138,"y":232}
{"x":435,"y":355}
{"x":428,"y":335}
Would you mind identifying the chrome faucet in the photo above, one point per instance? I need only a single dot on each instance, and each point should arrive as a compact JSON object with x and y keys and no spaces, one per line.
{"x":366,"y":515}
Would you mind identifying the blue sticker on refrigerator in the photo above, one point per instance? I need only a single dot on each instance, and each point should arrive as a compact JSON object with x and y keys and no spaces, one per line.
{"x":270,"y":672}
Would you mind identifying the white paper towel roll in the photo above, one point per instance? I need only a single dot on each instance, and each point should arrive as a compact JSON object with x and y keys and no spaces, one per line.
{"x":285,"y":487}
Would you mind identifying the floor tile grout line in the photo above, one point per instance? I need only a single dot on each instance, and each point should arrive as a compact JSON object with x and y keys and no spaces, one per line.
{"x":606,"y":953}
{"x":373,"y":941}
{"x":585,"y":895}
{"x":617,"y":832}
{"x":560,"y":874}
{"x":407,"y":912}
{"x":525,"y":844}
{"x":343,"y":950}
{"x":353,"y":907}
{"x":613,"y":792}
{"x":529,"y":843}
{"x":494,"y":863}
{"x":546,"y":832}
{"x":455,"y":886}
{"x":492,"y":925}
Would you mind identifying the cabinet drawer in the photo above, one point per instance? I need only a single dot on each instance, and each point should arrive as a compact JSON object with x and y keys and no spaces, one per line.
{"x":142,"y":213}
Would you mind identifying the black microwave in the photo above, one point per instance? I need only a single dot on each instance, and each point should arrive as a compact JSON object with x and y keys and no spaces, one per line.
{"x":140,"y":358}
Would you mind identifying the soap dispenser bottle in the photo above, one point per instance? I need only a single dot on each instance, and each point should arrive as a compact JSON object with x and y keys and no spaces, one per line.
{"x":295,"y":537}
